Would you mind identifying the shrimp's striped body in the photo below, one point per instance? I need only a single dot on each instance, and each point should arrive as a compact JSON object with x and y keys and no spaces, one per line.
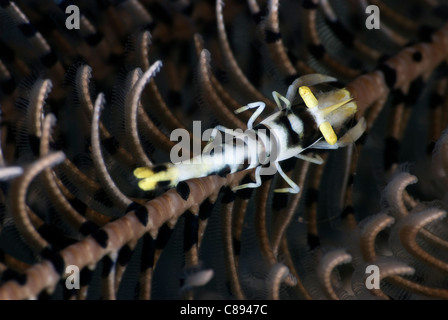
{"x":285,"y":134}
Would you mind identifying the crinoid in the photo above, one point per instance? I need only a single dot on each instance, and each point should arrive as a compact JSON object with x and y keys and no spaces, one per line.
{"x":81,"y":109}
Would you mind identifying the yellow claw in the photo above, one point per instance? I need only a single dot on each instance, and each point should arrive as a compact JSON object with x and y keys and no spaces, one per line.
{"x":328,"y":132}
{"x":308,"y":97}
{"x":147,"y":184}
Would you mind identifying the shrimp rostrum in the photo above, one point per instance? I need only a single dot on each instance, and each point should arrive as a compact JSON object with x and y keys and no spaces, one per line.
{"x":306,"y":119}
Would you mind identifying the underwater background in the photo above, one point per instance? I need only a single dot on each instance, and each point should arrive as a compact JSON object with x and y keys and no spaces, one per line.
{"x":82,"y":108}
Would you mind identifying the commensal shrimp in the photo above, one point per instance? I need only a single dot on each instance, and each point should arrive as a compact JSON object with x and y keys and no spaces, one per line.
{"x":310,"y":123}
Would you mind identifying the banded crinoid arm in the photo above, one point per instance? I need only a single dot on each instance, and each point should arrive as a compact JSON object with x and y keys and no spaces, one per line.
{"x":400,"y":70}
